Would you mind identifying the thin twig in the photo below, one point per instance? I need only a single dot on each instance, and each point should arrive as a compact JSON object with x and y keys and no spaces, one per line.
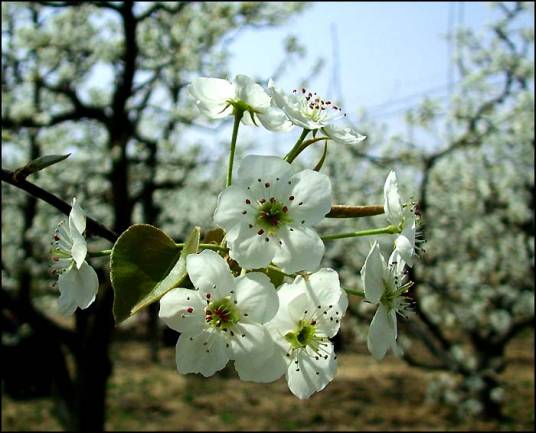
{"x":344,"y":211}
{"x":92,"y":225}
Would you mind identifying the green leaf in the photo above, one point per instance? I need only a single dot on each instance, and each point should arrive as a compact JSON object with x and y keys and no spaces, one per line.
{"x":38,"y":164}
{"x":146,"y":264}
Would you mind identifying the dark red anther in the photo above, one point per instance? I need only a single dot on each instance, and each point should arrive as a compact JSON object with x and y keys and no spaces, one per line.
{"x":208,"y":295}
{"x":260,"y":232}
{"x":262,"y":200}
{"x":291,"y":197}
{"x":285,"y":209}
{"x":189,"y":309}
{"x":56,"y":238}
{"x":313,"y":322}
{"x":248,"y":201}
{"x":266,"y":184}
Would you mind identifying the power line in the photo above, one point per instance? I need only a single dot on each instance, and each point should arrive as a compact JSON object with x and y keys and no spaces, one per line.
{"x":334,"y":87}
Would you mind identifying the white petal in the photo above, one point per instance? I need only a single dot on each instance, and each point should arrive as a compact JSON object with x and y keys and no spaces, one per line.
{"x":205,"y":353}
{"x":275,"y":119}
{"x":392,"y":204}
{"x":347,"y":136}
{"x":405,"y":242}
{"x":212,"y":91}
{"x":183,"y":310}
{"x":279,"y":97}
{"x":78,"y":288}
{"x":292,"y":107}
{"x":251,"y":93}
{"x":210,"y":273}
{"x":382,"y":333}
{"x":288,"y":291}
{"x":77,"y":217}
{"x":266,"y":371}
{"x":301,"y":249}
{"x":323,"y":288}
{"x":250,"y":249}
{"x":250,"y":341}
{"x":396,"y":260}
{"x":397,"y":350}
{"x":215,"y":111}
{"x":372,"y":274}
{"x":312,"y":197}
{"x":256,"y":296}
{"x":267,"y":168}
{"x":292,"y":304}
{"x":79,"y":247}
{"x":231,"y":205}
{"x":310,"y":375}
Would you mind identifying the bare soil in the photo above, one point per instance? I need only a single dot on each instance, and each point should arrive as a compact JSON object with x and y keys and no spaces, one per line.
{"x":365,"y":395}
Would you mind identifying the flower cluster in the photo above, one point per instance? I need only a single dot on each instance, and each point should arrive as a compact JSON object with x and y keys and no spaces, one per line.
{"x":269,"y":214}
{"x":269,"y":327}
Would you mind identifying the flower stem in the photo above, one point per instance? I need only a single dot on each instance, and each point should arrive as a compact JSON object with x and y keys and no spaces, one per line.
{"x":99,"y":253}
{"x":383,"y":230}
{"x":238,"y":113}
{"x":355,"y":292}
{"x":295,"y":151}
{"x":206,"y":246}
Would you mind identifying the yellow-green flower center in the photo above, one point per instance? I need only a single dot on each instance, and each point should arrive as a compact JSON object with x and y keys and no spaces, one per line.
{"x":222,"y":313}
{"x":272,"y":215}
{"x":304,"y":335}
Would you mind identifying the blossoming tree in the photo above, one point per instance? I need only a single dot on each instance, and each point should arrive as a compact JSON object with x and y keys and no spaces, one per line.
{"x":474,"y":162}
{"x":258,"y":295}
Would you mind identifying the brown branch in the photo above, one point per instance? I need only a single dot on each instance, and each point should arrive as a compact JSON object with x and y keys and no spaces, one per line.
{"x":92,"y":225}
{"x":346,"y":211}
{"x":420,"y":364}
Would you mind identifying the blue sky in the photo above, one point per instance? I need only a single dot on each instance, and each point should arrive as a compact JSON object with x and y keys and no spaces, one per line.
{"x":386,"y":50}
{"x":390,"y":55}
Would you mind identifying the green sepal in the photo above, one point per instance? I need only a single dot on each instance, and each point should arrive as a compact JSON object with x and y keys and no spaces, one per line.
{"x":145,"y":264}
{"x":277,"y":278}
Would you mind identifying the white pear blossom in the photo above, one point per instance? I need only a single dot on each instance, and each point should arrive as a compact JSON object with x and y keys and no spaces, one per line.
{"x":222,"y":319}
{"x":401,"y":215}
{"x":384,"y":285}
{"x":305,"y":108}
{"x":77,"y":281}
{"x":217,"y":98}
{"x":341,"y":135}
{"x":268,"y":213}
{"x":310,"y":313}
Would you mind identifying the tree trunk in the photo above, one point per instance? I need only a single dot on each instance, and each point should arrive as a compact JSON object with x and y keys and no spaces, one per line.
{"x":94,"y":366}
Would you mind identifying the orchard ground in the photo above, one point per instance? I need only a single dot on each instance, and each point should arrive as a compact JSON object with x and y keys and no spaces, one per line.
{"x":365,"y":395}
